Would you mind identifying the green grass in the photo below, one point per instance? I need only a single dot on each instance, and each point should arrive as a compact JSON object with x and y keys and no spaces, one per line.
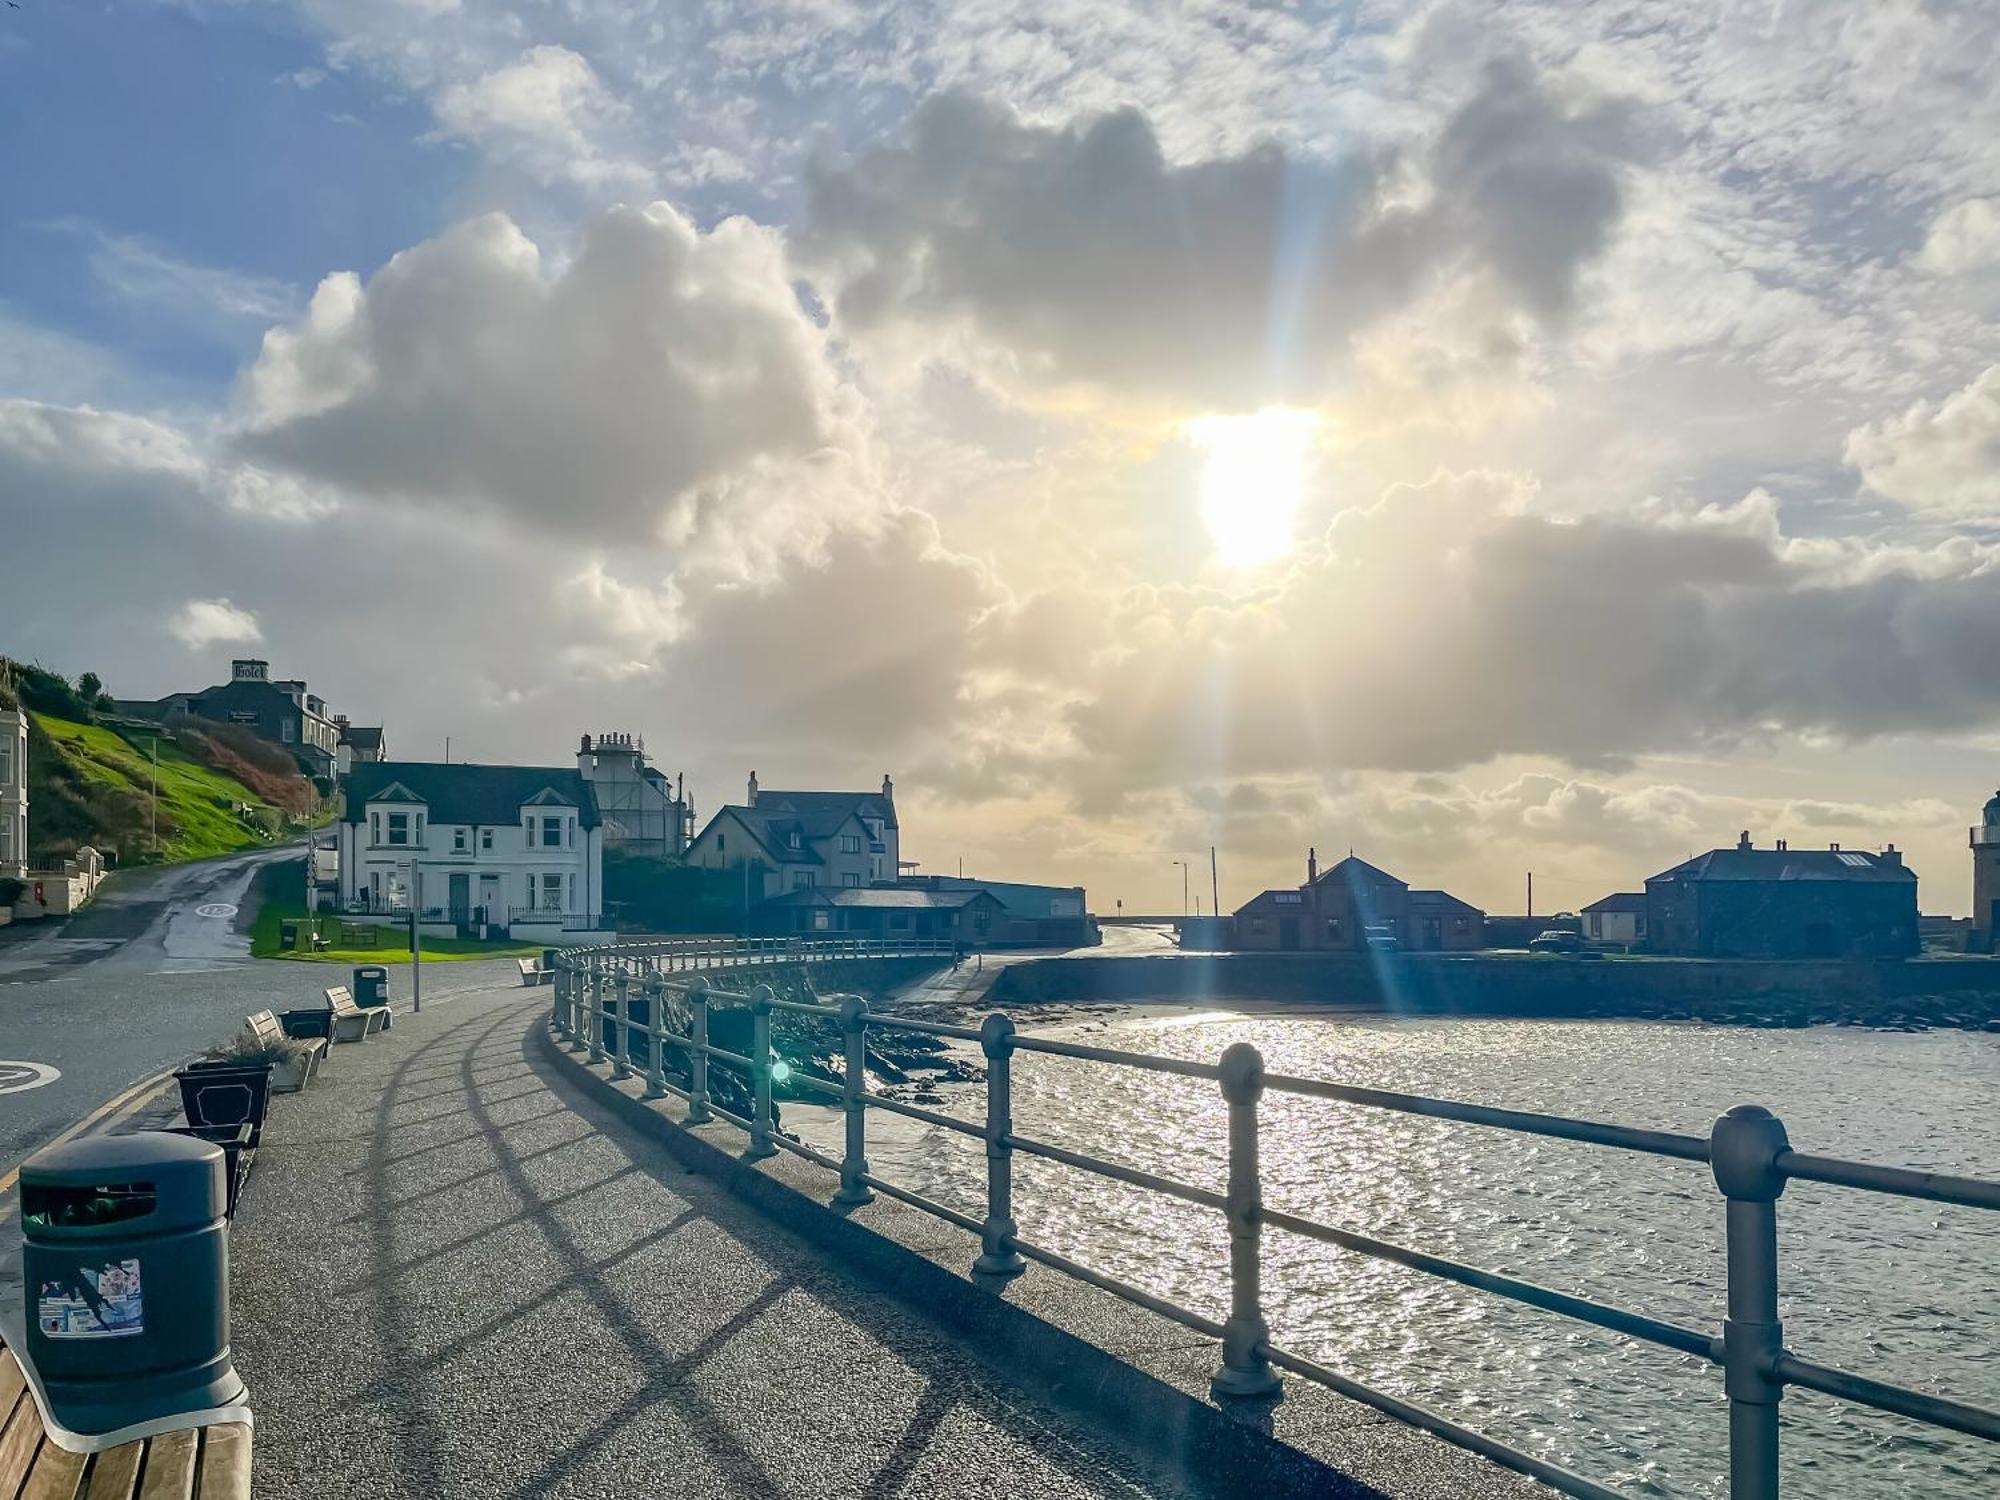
{"x":280,"y":893}
{"x":198,"y":806}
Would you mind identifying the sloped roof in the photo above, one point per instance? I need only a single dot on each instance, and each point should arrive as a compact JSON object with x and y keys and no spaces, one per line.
{"x":1352,"y":871}
{"x":882,"y":897}
{"x":1441,"y":901}
{"x":1021,"y":898}
{"x":1634,"y":901}
{"x":1854,"y":865}
{"x":460,"y":793}
{"x":1286,"y":895}
{"x":827,"y":810}
{"x":360,"y":738}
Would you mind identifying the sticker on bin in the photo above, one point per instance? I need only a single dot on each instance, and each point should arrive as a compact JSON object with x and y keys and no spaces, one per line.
{"x":104,"y":1303}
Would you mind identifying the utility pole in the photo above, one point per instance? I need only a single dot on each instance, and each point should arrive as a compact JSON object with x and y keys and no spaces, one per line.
{"x":1531,"y":893}
{"x":155,"y":830}
{"x":1214,"y":886}
{"x":447,"y":749}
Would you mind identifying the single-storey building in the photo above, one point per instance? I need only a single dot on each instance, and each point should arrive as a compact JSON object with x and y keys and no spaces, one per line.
{"x":1339,"y":908}
{"x":968,"y":917}
{"x":1617,"y":918}
{"x":1748,"y":902}
{"x":1035,"y":916}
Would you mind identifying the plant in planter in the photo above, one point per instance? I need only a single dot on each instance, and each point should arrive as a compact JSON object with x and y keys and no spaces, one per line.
{"x":289,"y":1060}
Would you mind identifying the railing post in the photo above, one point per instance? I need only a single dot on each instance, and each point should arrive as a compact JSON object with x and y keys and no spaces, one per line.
{"x":1743,"y":1149}
{"x":656,"y":1051}
{"x":621,"y":1051}
{"x":854,"y":1160}
{"x":576,"y":983}
{"x":1245,"y":1370}
{"x":597,"y":1013}
{"x":698,"y":1111}
{"x":997,"y":1259}
{"x":760,"y":1075}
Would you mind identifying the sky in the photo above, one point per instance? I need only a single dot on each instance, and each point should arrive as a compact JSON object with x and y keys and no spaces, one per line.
{"x":1489,"y":438}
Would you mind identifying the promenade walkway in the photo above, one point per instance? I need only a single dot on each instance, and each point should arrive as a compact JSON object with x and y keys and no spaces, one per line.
{"x":455,"y":1277}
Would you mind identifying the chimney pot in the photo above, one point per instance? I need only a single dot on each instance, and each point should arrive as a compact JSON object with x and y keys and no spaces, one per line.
{"x":753,"y":788}
{"x":888,"y":787}
{"x":1743,"y":840}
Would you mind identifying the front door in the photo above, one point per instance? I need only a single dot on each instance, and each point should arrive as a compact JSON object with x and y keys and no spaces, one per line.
{"x":489,"y":899}
{"x":461,"y":896}
{"x":1288,"y":933}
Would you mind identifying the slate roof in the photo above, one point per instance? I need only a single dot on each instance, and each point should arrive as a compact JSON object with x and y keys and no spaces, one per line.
{"x":1856,"y":865}
{"x":1285,"y":896}
{"x":881,"y":897}
{"x":1021,"y":899}
{"x":826,"y":810}
{"x":1441,"y":901}
{"x":1352,"y":871}
{"x":1632,"y":901}
{"x":362,"y":739}
{"x":491,"y":796}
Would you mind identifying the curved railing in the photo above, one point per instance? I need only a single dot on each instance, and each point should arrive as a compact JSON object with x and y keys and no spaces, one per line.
{"x":596,"y":1009}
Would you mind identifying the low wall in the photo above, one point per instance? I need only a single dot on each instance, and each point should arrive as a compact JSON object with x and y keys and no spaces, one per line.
{"x":1942,"y":991}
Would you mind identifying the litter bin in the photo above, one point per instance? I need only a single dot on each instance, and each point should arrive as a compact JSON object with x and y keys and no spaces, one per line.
{"x":371,"y":985}
{"x":288,"y":935}
{"x":125,"y":1256}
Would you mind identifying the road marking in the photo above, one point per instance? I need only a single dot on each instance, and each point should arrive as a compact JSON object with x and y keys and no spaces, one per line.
{"x":215,"y":909}
{"x":107,"y":1113}
{"x":19,"y":1077}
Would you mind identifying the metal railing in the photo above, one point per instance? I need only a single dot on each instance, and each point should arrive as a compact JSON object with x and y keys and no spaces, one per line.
{"x":1747,"y":1153}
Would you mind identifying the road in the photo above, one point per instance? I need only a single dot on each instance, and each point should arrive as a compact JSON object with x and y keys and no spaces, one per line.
{"x":154,"y":971}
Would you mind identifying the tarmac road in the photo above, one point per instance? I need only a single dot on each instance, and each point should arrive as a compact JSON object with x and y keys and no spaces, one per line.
{"x":154,"y":971}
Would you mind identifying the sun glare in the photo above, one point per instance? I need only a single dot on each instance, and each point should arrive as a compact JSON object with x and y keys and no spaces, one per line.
{"x":1251,"y":481}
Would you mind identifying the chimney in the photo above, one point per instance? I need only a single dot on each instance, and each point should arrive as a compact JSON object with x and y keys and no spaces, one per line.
{"x":1312,"y":866}
{"x":753,"y":789}
{"x":1833,"y":848}
{"x":583,"y":761}
{"x":888,"y":788}
{"x":1743,"y":840}
{"x":1783,"y":846}
{"x":1891,"y":857}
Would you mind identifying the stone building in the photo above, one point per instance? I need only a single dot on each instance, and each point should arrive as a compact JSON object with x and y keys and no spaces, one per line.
{"x":1782,"y":902}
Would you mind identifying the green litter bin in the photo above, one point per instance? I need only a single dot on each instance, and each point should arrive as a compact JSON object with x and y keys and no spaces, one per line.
{"x":288,"y":936}
{"x":371,"y":985}
{"x":125,"y":1258}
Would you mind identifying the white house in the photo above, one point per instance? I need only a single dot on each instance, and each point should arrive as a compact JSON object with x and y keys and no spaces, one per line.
{"x":1618,"y":918}
{"x":792,"y":841}
{"x":13,"y":792}
{"x":519,"y":847}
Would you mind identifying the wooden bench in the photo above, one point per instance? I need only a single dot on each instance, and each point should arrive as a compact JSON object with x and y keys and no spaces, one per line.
{"x":349,"y":1022}
{"x":267,"y":1026}
{"x":533,"y":971}
{"x":203,"y":1463}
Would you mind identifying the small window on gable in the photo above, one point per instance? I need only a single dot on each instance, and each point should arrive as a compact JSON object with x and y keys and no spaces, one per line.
{"x":722,"y":843}
{"x":486,"y":838}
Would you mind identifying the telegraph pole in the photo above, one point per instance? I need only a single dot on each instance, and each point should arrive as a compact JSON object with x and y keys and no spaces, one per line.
{"x":154,"y":832}
{"x":1531,"y":893}
{"x":1214,"y":886}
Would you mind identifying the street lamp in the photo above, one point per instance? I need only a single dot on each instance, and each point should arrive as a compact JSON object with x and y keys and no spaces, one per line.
{"x":1184,"y":885}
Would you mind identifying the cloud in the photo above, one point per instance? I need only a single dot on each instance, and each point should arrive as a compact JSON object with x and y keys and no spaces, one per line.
{"x":1087,"y":255}
{"x":205,"y":622}
{"x":1943,"y":456}
{"x":663,"y":382}
{"x":548,"y":112}
{"x":1965,"y":237}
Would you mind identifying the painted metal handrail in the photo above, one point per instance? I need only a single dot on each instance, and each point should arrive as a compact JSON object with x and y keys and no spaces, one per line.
{"x":1747,"y":1153}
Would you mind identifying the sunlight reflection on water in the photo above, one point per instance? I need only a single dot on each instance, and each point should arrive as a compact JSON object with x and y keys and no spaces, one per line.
{"x":1897,"y":1290}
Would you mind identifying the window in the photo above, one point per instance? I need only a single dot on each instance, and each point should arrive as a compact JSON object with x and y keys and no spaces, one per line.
{"x":1333,"y":929}
{"x":552,"y":892}
{"x":374,"y":828}
{"x":486,"y":838}
{"x":288,"y":731}
{"x":552,"y":833}
{"x":460,"y":841}
{"x":7,"y":839}
{"x":850,"y":843}
{"x":850,"y":878}
{"x":1288,"y":898}
{"x":792,"y":839}
{"x":722,"y":843}
{"x":1464,"y":924}
{"x":802,"y":880}
{"x":6,"y":765}
{"x":822,"y":919}
{"x":1256,"y":924}
{"x":399,"y":828}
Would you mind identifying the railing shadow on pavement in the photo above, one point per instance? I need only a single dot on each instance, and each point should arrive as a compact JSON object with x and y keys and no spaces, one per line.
{"x":394,"y":1289}
{"x":610,"y":1002}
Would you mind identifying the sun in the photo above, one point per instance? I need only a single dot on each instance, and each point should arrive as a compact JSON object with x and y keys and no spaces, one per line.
{"x":1251,"y":481}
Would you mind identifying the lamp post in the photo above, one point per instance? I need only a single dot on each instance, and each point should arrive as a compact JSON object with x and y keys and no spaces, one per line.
{"x":1184,"y":885}
{"x":416,"y":944}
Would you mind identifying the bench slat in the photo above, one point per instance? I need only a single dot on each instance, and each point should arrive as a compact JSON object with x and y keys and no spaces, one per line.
{"x":57,"y":1474}
{"x":115,"y":1474}
{"x":225,"y":1462}
{"x":18,"y":1441}
{"x":12,"y":1382}
{"x":169,"y":1467}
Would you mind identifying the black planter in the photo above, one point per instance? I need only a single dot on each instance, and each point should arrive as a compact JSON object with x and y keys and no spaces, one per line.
{"x":237,"y":1154}
{"x":225,"y":1094}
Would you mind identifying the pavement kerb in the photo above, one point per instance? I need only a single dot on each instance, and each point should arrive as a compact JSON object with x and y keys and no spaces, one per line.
{"x":1200,"y":1444}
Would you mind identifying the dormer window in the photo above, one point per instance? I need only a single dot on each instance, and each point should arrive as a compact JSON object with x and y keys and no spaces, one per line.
{"x":794,"y":841}
{"x":552,"y":833}
{"x":399,"y":828}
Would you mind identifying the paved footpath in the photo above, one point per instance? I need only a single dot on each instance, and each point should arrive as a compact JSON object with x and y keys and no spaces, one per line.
{"x":455,"y":1277}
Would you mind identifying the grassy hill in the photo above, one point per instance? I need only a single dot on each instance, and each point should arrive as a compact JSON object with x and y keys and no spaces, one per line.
{"x":91,"y":779}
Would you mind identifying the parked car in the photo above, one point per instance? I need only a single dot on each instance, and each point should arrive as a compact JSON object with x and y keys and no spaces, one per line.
{"x":1556,"y":940}
{"x":1380,"y":939}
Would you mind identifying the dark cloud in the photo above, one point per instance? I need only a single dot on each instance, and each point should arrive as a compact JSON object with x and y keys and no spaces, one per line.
{"x":1088,"y":256}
